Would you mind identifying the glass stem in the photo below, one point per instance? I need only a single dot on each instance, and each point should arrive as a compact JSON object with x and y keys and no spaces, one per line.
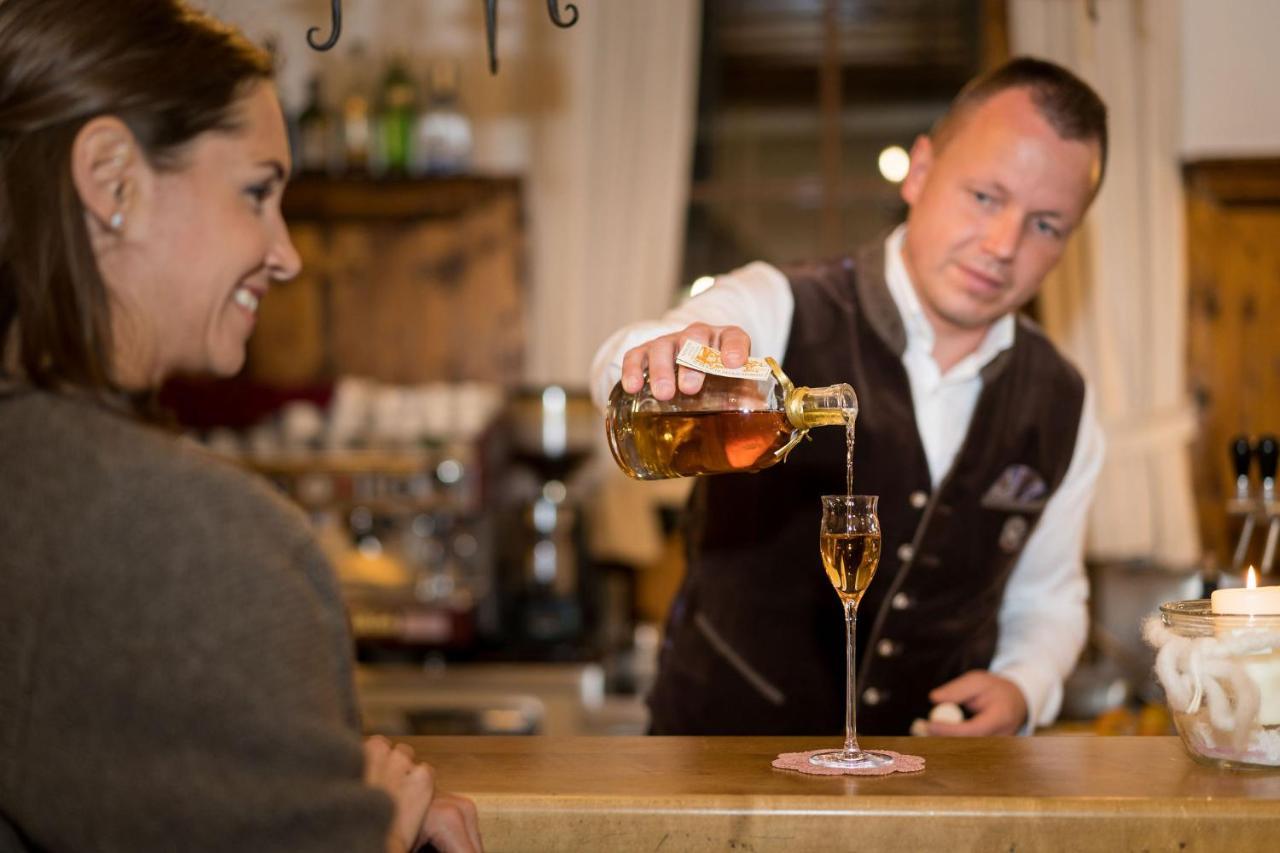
{"x":851,"y":681}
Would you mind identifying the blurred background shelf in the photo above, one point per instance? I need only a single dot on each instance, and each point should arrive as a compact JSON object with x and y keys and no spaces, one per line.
{"x":403,"y":281}
{"x":320,"y":198}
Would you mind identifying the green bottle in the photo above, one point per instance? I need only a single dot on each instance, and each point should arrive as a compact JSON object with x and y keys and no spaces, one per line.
{"x":396,"y":117}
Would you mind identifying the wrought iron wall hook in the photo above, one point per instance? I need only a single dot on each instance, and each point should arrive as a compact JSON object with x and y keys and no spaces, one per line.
{"x":491,"y":33}
{"x":328,"y":43}
{"x":553,"y":8}
{"x":490,"y":23}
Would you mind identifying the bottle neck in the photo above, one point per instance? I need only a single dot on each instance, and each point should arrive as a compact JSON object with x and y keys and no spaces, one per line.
{"x":830,"y":405}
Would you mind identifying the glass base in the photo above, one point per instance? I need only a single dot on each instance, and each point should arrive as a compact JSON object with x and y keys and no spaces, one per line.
{"x":857,"y":760}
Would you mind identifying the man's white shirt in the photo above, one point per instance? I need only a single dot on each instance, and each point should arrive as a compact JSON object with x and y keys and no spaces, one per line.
{"x":1043,"y":615}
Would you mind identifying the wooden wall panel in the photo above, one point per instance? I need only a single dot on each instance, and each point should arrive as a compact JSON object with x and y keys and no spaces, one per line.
{"x":1233,"y":238}
{"x":492,"y":315}
{"x":399,"y":285}
{"x":288,"y":345}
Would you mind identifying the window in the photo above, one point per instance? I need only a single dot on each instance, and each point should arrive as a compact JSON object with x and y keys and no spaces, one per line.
{"x":796,"y":100}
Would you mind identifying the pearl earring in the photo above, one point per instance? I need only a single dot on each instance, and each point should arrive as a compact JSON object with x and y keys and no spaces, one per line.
{"x":116,"y":222}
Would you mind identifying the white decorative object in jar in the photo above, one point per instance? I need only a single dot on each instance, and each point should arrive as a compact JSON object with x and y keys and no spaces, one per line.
{"x":1221,"y":677}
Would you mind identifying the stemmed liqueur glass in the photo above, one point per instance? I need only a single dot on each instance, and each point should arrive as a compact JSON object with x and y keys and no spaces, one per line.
{"x":850,"y":541}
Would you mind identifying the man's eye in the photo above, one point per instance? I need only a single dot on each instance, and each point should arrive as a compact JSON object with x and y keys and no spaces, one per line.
{"x":982,"y":198}
{"x":1047,"y":228}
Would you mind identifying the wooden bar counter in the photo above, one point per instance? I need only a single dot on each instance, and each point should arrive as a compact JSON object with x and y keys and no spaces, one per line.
{"x":687,"y":795}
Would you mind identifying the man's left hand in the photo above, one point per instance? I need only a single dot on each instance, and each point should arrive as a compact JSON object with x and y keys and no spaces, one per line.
{"x":996,"y":705}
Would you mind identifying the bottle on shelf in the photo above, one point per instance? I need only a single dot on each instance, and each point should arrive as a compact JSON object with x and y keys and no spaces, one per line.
{"x":356,"y":121}
{"x":316,"y":131}
{"x":443,"y":141}
{"x":744,"y":419}
{"x":397,"y":103}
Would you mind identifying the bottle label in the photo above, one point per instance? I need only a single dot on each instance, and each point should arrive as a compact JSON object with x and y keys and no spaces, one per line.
{"x":707,"y":360}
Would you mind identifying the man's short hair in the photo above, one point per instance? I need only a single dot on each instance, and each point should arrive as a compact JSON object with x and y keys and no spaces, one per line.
{"x":1067,"y":103}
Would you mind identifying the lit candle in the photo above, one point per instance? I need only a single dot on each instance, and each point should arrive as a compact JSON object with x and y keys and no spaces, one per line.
{"x":1264,"y":669}
{"x":1249,"y":600}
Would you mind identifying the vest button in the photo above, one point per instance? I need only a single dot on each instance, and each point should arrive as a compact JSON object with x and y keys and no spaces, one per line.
{"x":901,"y":601}
{"x":888,"y":648}
{"x":906,"y":552}
{"x":918,"y":499}
{"x":872,"y":696}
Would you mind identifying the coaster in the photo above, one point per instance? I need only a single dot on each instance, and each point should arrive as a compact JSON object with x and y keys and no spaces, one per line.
{"x":799,"y":762}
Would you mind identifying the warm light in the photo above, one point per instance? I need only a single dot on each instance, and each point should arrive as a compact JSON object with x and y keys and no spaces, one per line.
{"x":1251,"y":579}
{"x":701,"y":285}
{"x":555,"y":426}
{"x":449,"y":471}
{"x":894,"y":163}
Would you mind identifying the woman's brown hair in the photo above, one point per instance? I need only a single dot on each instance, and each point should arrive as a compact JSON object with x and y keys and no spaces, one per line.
{"x":170,"y":74}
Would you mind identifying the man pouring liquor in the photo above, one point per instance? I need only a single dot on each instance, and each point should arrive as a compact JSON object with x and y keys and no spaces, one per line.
{"x":979,"y":437}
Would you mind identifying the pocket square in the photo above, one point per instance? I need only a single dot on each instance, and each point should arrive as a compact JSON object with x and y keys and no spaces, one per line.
{"x":1018,"y":488}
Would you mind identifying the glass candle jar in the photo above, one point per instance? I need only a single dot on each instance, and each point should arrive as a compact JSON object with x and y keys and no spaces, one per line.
{"x":1221,"y":677}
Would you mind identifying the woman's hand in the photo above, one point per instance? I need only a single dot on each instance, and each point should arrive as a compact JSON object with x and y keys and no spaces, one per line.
{"x":411,"y":785}
{"x":422,"y":815}
{"x":451,"y":825}
{"x":659,"y":357}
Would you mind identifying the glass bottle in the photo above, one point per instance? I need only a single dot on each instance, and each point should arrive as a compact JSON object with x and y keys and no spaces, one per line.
{"x":315,"y":131}
{"x":357,"y":123}
{"x":396,"y":117}
{"x":736,"y":423}
{"x":443,"y":141}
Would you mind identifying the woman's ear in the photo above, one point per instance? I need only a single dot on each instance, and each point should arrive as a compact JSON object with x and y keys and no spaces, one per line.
{"x":105,"y":166}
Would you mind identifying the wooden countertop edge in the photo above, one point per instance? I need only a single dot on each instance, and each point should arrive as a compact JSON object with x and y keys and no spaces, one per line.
{"x":864,"y":804}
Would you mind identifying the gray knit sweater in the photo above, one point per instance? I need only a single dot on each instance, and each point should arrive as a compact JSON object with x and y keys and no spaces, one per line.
{"x":174,"y":661}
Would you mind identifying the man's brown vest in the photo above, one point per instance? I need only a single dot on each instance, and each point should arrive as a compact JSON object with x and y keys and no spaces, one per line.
{"x":755,"y":639}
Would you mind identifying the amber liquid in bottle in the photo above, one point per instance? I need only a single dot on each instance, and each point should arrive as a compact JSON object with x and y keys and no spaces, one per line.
{"x":733,"y":425}
{"x":685,"y":444}
{"x":850,"y":560}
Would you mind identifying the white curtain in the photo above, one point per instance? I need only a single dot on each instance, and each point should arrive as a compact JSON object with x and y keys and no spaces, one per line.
{"x":608,"y":188}
{"x":610,"y":178}
{"x":1117,"y":305}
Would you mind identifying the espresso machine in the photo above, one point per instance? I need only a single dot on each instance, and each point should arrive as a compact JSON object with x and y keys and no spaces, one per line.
{"x":548,"y":588}
{"x":1255,"y":504}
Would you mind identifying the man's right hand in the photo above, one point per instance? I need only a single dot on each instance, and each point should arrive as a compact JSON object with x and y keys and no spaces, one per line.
{"x":659,"y":357}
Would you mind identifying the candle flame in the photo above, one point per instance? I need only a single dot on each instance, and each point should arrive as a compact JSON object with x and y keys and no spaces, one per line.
{"x":1251,"y":579}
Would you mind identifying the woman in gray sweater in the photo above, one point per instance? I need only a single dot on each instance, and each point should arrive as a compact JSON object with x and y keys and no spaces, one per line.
{"x":175,"y":667}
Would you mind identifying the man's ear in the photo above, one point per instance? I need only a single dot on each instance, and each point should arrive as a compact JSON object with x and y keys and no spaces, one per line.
{"x":921,"y":161}
{"x":105,"y":167}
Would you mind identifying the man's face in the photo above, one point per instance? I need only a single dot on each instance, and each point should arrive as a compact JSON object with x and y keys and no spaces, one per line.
{"x":991,"y":210}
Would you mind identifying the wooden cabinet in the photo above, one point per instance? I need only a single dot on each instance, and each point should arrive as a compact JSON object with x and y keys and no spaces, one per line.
{"x":1233,"y":239}
{"x":403,"y":281}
